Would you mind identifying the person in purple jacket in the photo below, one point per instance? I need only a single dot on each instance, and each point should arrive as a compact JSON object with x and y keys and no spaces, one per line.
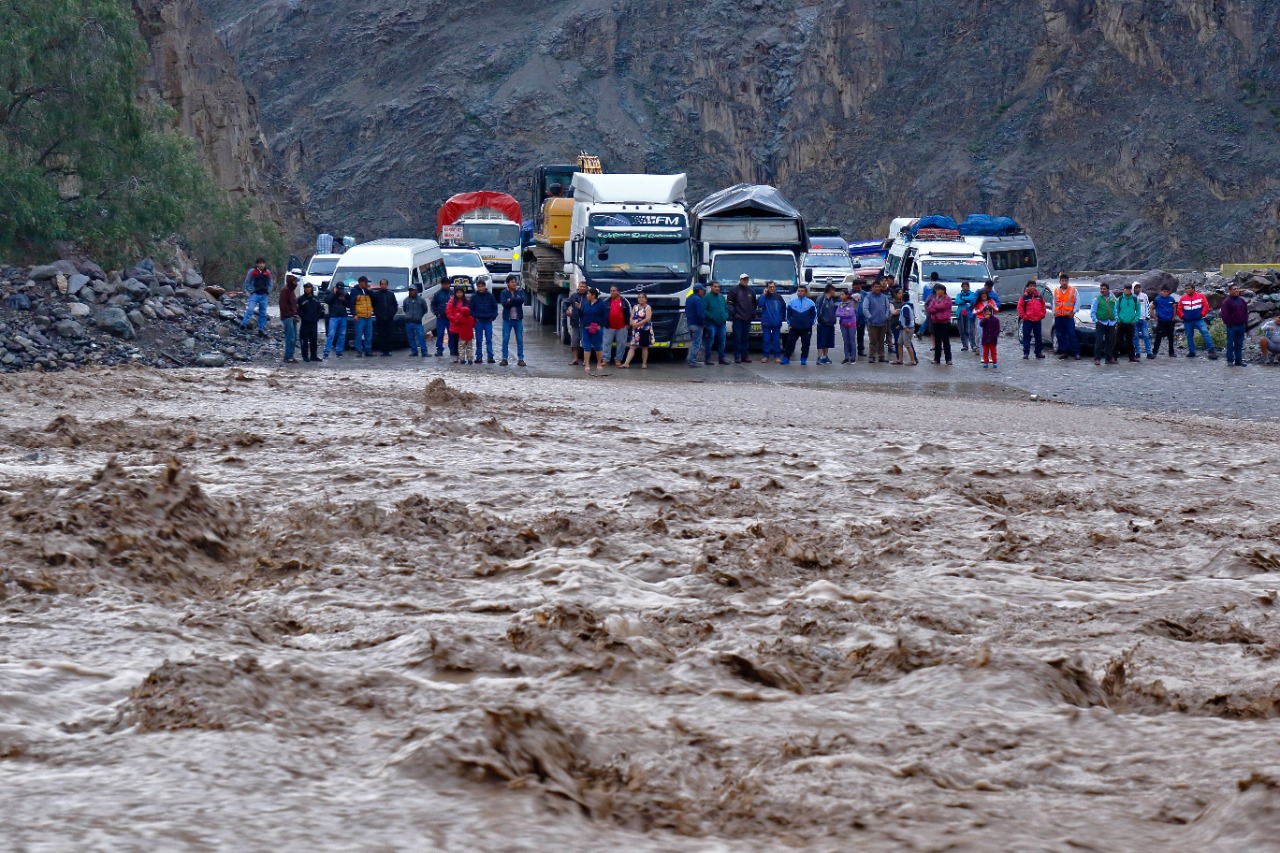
{"x":1234,"y":312}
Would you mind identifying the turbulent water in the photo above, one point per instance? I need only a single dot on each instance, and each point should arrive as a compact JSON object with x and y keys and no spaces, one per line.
{"x":347,"y":612}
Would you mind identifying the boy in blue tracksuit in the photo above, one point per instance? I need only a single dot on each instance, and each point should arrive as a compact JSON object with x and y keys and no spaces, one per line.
{"x":773,"y":311}
{"x":802,"y":312}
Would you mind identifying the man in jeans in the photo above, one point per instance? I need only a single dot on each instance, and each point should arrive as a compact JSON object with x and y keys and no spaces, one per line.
{"x":1127,"y":308}
{"x":573,"y":311}
{"x":511,"y":301}
{"x":1141,"y":329}
{"x":717,"y":311}
{"x":439,"y":307}
{"x":484,"y":310}
{"x":618,"y":328}
{"x":289,"y":314}
{"x":1031,"y":311}
{"x":415,"y":309}
{"x":696,"y":320}
{"x":1065,"y":304}
{"x":1234,"y":311}
{"x":362,"y":307}
{"x":257,"y":286}
{"x":742,"y":310}
{"x":1192,"y":310}
{"x":385,"y":308}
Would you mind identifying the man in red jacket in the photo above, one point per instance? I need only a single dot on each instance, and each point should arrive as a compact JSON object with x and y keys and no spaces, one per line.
{"x":1031,"y":310}
{"x":1192,"y":310}
{"x":289,"y":314}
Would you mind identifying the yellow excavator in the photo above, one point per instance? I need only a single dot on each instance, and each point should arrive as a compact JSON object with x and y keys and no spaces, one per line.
{"x":553,"y":215}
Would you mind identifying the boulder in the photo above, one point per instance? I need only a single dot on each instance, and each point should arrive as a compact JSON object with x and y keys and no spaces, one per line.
{"x":69,"y":329}
{"x":211,"y":359}
{"x":60,"y":281}
{"x":115,"y":322}
{"x":137,"y":290}
{"x":166,"y":290}
{"x":79,"y":310}
{"x":120,"y":300}
{"x":76,"y":283}
{"x":215,"y":292}
{"x":137,"y":318}
{"x":18,"y":302}
{"x":91,"y":269}
{"x":140,"y":274}
{"x":49,"y":271}
{"x":191,"y":278}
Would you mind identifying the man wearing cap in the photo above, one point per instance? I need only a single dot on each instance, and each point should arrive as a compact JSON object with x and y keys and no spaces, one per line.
{"x":362,"y":309}
{"x":696,"y":319}
{"x":742,"y":310}
{"x":289,"y":313}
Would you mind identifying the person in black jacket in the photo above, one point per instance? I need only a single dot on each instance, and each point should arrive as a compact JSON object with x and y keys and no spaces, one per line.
{"x":310,"y":310}
{"x":512,"y":301}
{"x":484,"y":310}
{"x":439,"y":305}
{"x":385,"y":307}
{"x":336,"y":335}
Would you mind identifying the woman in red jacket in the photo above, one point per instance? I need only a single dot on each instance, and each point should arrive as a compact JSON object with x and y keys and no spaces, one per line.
{"x":462,"y":326}
{"x":939,"y":311}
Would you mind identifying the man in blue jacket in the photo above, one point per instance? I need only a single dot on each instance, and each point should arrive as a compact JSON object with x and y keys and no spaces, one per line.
{"x":965,"y":319}
{"x":512,"y":302}
{"x":877,"y":308}
{"x":484,"y":310}
{"x":695,"y":318}
{"x":439,"y":305}
{"x":802,"y":312}
{"x":773,"y":312}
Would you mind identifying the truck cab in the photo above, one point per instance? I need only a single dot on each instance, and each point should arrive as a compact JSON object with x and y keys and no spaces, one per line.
{"x":632,"y":232}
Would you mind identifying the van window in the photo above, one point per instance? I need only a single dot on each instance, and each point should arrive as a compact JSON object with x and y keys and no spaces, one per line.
{"x":891,"y":268}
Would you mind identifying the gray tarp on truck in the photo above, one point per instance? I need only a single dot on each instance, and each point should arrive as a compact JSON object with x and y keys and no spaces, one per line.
{"x":756,"y":200}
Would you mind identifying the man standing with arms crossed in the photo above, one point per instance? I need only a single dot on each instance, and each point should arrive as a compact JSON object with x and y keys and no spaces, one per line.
{"x":484,"y":310}
{"x":362,"y":307}
{"x":717,"y":311}
{"x":1065,"y":304}
{"x":1192,"y":309}
{"x":742,"y":310}
{"x":876,"y":308}
{"x":511,"y":301}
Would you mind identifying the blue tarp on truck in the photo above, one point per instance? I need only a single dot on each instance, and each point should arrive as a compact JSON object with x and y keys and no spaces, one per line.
{"x":982,"y":225}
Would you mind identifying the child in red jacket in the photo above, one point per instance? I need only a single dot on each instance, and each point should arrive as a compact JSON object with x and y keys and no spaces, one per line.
{"x":463,"y":327}
{"x":990,"y":336}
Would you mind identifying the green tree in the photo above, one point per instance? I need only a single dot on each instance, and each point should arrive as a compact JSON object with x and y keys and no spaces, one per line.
{"x":84,"y":156}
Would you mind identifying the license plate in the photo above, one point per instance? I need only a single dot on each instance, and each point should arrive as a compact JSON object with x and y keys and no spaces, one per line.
{"x":660,"y":344}
{"x":756,"y":329}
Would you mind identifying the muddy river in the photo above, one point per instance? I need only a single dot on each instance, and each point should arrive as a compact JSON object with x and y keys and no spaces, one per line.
{"x":251,"y":610}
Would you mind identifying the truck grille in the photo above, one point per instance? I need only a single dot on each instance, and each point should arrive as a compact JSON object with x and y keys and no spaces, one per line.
{"x":498,"y":266}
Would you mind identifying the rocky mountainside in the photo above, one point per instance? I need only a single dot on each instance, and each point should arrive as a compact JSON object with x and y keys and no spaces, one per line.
{"x":1125,"y":133}
{"x":191,"y":70}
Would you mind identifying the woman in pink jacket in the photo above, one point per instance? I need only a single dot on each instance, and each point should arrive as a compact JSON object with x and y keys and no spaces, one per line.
{"x":939,"y":311}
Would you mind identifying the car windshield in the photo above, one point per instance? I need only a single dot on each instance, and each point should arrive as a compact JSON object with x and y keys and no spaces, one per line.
{"x":649,"y":258}
{"x":830,"y":261}
{"x":1085,"y":294}
{"x":729,"y":267}
{"x":957,"y":270}
{"x":396,"y":278}
{"x":498,"y":235}
{"x":322,"y":266}
{"x":462,"y":260}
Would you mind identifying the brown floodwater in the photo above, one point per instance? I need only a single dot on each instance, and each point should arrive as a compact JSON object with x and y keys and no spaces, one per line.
{"x":258,"y":610}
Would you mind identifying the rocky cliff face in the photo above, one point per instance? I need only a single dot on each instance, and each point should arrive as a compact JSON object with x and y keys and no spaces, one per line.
{"x":193,"y":73}
{"x":1125,"y":133}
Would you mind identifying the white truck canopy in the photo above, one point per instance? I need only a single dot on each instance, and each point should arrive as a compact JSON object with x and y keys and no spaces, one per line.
{"x":628,"y":189}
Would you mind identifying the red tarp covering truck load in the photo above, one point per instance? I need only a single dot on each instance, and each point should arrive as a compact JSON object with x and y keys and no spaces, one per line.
{"x":483,"y":204}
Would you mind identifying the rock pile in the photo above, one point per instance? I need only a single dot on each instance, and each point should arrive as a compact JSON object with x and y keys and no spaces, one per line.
{"x":72,"y":313}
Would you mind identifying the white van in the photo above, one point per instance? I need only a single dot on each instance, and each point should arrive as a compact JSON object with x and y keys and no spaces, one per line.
{"x":402,"y":262}
{"x":319,"y":270}
{"x":464,"y":266}
{"x":834,"y":269}
{"x":1012,"y":259}
{"x":913,"y":260}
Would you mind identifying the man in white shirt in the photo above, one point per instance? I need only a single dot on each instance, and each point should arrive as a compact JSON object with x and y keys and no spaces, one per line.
{"x":1141,"y":333}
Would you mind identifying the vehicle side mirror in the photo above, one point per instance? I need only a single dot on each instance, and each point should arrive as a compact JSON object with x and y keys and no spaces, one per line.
{"x":704,"y":272}
{"x":568,"y":269}
{"x":808,"y":275}
{"x":857,"y":265}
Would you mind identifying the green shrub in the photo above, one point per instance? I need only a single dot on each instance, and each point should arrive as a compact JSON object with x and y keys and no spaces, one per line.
{"x":1218,"y":331}
{"x":83,"y":158}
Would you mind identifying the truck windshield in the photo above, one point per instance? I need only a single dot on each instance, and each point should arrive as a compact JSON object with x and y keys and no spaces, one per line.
{"x":829,"y":261}
{"x":648,"y":259}
{"x":729,"y":266}
{"x":499,"y":235}
{"x":322,"y":266}
{"x":957,"y":270}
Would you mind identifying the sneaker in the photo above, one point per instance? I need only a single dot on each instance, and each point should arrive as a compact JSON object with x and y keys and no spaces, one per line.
{"x":746,"y":360}
{"x":985,"y":365}
{"x":995,"y":367}
{"x":521,"y":363}
{"x":853,"y":361}
{"x":1027,"y":356}
{"x":784,"y":360}
{"x":1040,"y":356}
{"x":1149,"y":355}
{"x":491,"y":361}
{"x":737,"y":360}
{"x":326,"y":355}
{"x":694,"y":364}
{"x":1191,"y":355}
{"x":503,"y":363}
{"x":1075,"y":358}
{"x":1213,"y":355}
{"x":386,"y":355}
{"x":803,"y":362}
{"x":724,"y":361}
{"x":339,"y":355}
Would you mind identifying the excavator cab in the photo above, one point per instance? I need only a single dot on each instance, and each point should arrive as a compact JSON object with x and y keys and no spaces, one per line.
{"x":559,"y":176}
